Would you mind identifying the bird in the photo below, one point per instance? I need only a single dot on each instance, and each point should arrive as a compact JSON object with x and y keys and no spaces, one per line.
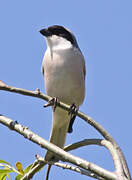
{"x":64,"y":71}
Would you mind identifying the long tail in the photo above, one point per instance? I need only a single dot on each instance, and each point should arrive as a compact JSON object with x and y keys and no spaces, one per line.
{"x":59,"y":130}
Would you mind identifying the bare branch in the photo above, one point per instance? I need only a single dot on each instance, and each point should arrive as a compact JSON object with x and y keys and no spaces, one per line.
{"x":99,"y":142}
{"x":70,"y":167}
{"x":77,"y":169}
{"x":33,"y":171}
{"x":35,"y":93}
{"x":13,"y":125}
{"x":124,"y":170}
{"x":116,"y":158}
{"x":89,"y":120}
{"x":85,"y":142}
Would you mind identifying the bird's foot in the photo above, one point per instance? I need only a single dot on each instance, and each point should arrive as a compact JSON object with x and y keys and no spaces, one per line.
{"x":52,"y":102}
{"x":72,"y":112}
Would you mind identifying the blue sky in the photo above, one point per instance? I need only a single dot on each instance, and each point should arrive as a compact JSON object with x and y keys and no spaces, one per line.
{"x":104,"y":33}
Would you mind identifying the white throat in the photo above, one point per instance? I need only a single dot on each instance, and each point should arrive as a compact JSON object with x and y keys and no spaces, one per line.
{"x":57,"y":43}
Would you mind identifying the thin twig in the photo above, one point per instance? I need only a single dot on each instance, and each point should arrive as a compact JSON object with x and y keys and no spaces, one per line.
{"x":70,"y":167}
{"x":33,"y":171}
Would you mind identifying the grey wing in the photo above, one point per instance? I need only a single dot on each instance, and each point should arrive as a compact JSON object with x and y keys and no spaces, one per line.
{"x":42,"y":68}
{"x":84,"y":68}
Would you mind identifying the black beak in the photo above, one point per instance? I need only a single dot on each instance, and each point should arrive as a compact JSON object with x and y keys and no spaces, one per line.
{"x":45,"y":32}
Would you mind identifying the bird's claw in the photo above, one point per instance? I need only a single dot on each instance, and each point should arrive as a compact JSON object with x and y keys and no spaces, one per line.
{"x":73,"y":110}
{"x":52,"y":102}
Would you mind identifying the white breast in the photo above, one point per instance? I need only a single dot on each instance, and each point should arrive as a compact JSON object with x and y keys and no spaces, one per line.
{"x":63,"y":74}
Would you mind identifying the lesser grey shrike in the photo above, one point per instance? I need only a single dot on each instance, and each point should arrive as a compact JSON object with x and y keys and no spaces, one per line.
{"x":64,"y":71}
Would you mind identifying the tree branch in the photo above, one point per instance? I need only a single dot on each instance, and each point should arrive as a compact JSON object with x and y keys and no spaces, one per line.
{"x":82,"y":143}
{"x":13,"y":125}
{"x":70,"y":167}
{"x":122,"y":162}
{"x":100,"y":142}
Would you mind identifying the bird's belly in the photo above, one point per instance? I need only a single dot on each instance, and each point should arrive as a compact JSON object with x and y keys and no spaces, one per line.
{"x":67,"y":85}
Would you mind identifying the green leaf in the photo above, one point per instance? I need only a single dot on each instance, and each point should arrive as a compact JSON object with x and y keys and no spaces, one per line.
{"x":18,"y":177}
{"x":19,"y":168}
{"x":4,"y":162}
{"x":26,"y":170}
{"x":9,"y":167}
{"x":5,"y":171}
{"x":3,"y":176}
